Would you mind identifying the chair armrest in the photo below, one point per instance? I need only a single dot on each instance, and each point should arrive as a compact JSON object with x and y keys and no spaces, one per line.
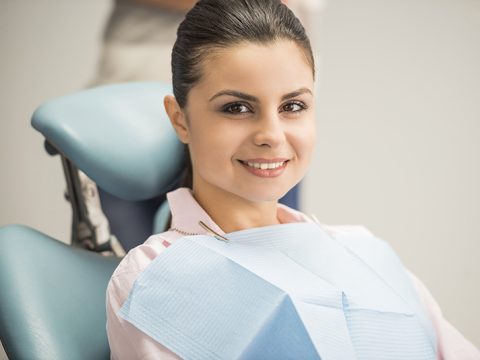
{"x":52,"y":297}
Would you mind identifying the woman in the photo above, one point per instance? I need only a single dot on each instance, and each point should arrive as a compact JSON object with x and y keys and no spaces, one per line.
{"x":238,"y":275}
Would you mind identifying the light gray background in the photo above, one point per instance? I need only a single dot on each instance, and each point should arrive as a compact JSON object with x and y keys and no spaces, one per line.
{"x":398,"y":127}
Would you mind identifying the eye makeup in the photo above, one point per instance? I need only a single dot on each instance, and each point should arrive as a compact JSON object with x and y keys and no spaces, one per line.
{"x":239,"y":108}
{"x":299,"y":105}
{"x":234,"y":108}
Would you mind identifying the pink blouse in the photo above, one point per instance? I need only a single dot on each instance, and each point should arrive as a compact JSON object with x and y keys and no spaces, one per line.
{"x":127,"y":342}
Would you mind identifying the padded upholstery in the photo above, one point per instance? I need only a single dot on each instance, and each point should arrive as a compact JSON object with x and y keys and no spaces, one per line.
{"x":113,"y":133}
{"x":52,"y":297}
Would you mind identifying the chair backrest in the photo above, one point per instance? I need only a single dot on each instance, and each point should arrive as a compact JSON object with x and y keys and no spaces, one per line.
{"x":120,"y":136}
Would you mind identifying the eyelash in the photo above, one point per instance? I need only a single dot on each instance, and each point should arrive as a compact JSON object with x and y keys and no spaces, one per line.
{"x":300,"y":104}
{"x":228,"y":107}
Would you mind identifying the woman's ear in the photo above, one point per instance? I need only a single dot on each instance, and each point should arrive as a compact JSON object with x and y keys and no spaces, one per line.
{"x":177,"y":118}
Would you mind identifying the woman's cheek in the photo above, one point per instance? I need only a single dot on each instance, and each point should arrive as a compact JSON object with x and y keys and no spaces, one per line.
{"x":210,"y":153}
{"x":304,"y":152}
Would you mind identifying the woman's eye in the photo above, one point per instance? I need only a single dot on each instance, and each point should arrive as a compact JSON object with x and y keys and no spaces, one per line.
{"x":294,"y":106}
{"x":236,"y":108}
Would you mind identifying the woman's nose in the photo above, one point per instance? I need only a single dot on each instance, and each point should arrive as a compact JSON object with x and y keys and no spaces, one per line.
{"x":270,"y":131}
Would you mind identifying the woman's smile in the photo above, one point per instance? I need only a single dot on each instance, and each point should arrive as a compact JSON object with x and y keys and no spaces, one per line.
{"x":264,"y":167}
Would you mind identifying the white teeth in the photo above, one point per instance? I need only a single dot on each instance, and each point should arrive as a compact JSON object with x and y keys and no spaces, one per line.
{"x":265,"y":166}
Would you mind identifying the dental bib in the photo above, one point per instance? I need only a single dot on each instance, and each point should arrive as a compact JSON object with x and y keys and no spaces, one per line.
{"x":289,"y":291}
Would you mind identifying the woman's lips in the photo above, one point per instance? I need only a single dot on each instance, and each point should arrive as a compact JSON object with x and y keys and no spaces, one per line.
{"x":265,"y":161}
{"x":265,"y":167}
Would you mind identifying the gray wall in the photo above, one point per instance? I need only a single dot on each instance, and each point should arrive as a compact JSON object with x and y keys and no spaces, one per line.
{"x":398,"y":128}
{"x":399,"y":138}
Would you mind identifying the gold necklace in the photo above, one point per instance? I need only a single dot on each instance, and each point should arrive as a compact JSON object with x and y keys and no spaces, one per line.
{"x":206,"y":227}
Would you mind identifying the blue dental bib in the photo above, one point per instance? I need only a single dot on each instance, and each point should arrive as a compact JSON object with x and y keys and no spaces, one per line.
{"x":287,"y":291}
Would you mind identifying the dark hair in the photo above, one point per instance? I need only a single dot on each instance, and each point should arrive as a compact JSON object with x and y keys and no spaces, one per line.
{"x":217,"y":24}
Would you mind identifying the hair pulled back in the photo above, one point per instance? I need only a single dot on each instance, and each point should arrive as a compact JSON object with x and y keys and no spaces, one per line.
{"x":218,"y":24}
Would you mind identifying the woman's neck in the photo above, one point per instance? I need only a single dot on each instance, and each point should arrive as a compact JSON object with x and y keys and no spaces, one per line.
{"x":232,"y":213}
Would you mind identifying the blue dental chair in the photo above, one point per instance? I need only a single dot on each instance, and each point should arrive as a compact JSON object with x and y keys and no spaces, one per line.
{"x":52,"y":295}
{"x":117,"y":145}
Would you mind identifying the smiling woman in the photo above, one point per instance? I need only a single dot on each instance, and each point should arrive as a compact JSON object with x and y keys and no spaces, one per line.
{"x":238,"y":275}
{"x":250,"y":141}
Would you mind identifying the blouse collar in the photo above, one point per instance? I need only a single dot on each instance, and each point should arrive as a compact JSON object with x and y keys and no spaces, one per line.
{"x":187,"y":212}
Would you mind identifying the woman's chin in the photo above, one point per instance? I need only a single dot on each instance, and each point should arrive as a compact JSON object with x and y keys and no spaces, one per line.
{"x":264,"y":195}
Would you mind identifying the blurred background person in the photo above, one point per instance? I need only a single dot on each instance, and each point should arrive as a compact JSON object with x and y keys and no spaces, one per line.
{"x":139,"y":36}
{"x":138,"y":40}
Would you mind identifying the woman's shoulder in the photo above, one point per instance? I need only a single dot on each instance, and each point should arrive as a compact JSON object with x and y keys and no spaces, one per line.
{"x":138,"y":258}
{"x":134,"y":263}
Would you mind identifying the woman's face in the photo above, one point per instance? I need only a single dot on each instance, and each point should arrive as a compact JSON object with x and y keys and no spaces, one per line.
{"x":249,"y":121}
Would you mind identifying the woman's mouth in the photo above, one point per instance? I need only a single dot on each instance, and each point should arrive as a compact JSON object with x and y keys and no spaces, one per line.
{"x":264,"y":167}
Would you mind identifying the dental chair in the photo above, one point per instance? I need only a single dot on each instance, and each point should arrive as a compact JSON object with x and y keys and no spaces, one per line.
{"x":118,"y":149}
{"x":52,"y":295}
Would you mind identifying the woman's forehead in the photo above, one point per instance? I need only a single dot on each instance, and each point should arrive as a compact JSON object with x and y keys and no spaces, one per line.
{"x":271,"y":68}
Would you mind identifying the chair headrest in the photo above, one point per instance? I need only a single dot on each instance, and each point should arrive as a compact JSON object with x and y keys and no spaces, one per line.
{"x":119,"y":135}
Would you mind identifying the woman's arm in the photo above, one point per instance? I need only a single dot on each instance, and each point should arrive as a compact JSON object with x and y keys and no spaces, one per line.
{"x":451,"y":343}
{"x":126,"y":341}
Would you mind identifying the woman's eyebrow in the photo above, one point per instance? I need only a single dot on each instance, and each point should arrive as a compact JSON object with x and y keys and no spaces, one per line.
{"x":236,"y":94}
{"x":296,"y":93}
{"x":252,"y":98}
